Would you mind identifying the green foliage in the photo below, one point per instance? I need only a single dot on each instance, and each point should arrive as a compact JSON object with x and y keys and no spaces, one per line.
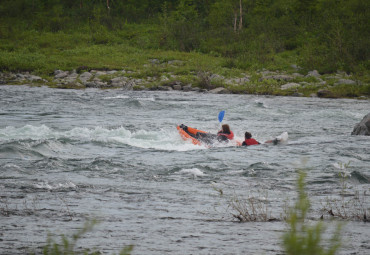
{"x":303,"y":238}
{"x":326,"y":35}
{"x":181,"y":27}
{"x":67,"y":246}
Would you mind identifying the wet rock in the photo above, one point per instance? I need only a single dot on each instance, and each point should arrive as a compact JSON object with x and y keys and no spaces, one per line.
{"x":2,"y":78}
{"x":362,"y":128}
{"x":130,"y":84}
{"x":79,"y":85}
{"x":296,"y":94}
{"x":219,"y":90}
{"x":325,"y":93}
{"x":96,"y":84}
{"x":177,"y":87}
{"x":18,"y":77}
{"x":119,"y":81}
{"x":187,"y":87}
{"x":165,"y":88}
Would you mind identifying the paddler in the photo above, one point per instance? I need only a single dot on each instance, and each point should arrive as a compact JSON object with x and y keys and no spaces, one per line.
{"x":225,"y":134}
{"x":249,"y":140}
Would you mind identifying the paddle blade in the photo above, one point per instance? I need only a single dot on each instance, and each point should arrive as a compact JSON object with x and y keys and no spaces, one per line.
{"x":221,"y":116}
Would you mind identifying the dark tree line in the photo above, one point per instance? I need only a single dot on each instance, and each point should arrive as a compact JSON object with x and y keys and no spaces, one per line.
{"x":327,"y":34}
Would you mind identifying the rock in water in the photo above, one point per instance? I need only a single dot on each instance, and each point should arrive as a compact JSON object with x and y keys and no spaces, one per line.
{"x":362,"y":128}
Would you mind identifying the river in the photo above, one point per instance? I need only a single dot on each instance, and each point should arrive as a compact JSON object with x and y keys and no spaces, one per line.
{"x":67,"y":156}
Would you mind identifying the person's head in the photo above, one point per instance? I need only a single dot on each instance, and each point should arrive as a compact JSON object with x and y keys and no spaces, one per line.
{"x":226,"y":129}
{"x":248,"y":135}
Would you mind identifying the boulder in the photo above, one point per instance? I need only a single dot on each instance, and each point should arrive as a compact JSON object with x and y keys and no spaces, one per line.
{"x":71,"y":77}
{"x":313,"y":73}
{"x":219,"y":90}
{"x":177,"y":87}
{"x":165,"y":88}
{"x":362,"y":128}
{"x":60,"y":74}
{"x":295,"y":67}
{"x":325,"y":93}
{"x":345,"y":82}
{"x":96,"y":84}
{"x":297,"y":75}
{"x":85,"y":77}
{"x":278,"y":77}
{"x":296,"y":94}
{"x":290,"y":85}
{"x":187,"y":87}
{"x":100,"y":73}
{"x":119,"y":81}
{"x":56,"y":72}
{"x":164,"y":78}
{"x":34,"y":78}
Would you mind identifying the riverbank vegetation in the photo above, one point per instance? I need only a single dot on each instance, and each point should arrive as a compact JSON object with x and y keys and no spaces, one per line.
{"x":303,"y":237}
{"x":226,"y":37}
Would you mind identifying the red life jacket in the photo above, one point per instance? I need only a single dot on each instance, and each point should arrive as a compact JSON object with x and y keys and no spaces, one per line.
{"x":251,"y":141}
{"x":228,"y":136}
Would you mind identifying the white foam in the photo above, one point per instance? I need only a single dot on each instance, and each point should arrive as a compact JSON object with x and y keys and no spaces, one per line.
{"x":161,"y":139}
{"x":152,"y":99}
{"x":283,"y":137}
{"x":46,"y":185}
{"x":26,"y":132}
{"x":117,"y":97}
{"x":192,"y":171}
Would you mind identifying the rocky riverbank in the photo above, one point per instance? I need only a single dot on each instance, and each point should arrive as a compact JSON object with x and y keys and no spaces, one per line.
{"x":280,"y":83}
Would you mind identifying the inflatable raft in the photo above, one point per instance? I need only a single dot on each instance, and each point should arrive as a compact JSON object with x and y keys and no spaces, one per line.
{"x":200,"y":137}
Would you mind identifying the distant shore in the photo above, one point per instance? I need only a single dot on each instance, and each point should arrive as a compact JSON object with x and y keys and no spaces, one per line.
{"x":265,"y":82}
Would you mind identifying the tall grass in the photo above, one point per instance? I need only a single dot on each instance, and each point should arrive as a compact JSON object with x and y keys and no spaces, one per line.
{"x":303,"y":237}
{"x":67,"y":245}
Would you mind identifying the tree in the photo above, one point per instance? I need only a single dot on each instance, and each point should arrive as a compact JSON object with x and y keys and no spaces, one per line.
{"x":225,"y":13}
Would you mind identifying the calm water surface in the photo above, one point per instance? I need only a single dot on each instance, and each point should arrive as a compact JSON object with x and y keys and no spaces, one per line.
{"x":71,"y":155}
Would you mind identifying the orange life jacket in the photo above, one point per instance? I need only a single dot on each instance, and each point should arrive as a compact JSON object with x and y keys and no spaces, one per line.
{"x":228,"y":136}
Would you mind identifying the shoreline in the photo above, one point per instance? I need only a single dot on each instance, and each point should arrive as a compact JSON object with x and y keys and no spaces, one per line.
{"x":263,"y":82}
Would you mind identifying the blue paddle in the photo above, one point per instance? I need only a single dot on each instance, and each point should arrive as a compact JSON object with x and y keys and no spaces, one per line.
{"x":221,"y":116}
